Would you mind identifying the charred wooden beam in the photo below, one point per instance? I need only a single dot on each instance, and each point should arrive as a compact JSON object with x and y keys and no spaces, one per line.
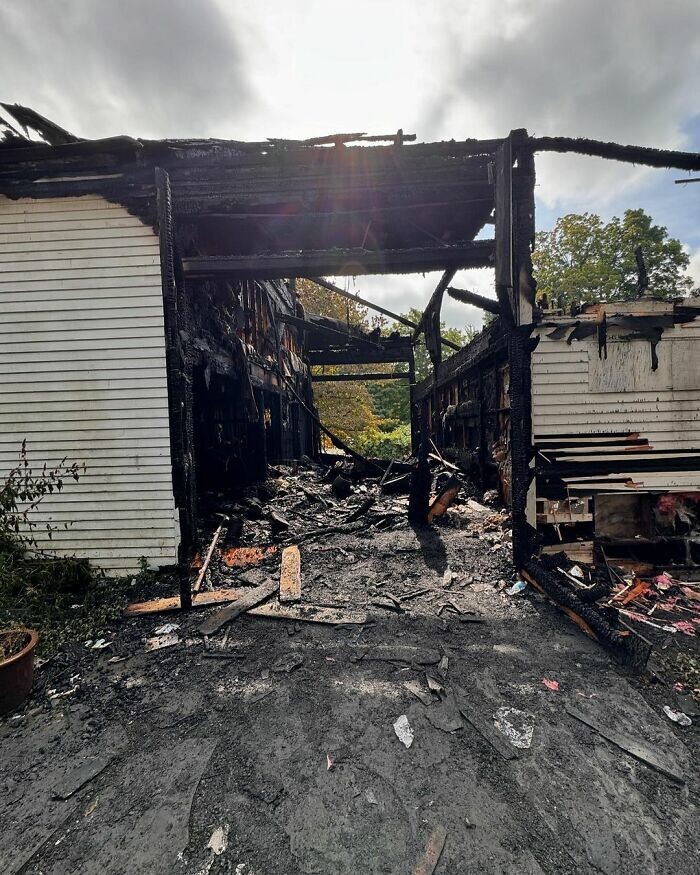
{"x":387,"y":355}
{"x":504,"y":231}
{"x":467,"y":297}
{"x":50,"y":131}
{"x":616,"y":152}
{"x":342,"y":262}
{"x":316,"y":328}
{"x":33,"y":152}
{"x":435,"y":301}
{"x":358,"y":378}
{"x":365,"y":303}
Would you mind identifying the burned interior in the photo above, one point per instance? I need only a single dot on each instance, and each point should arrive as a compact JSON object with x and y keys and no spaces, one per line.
{"x":239,"y":222}
{"x":296,"y":615}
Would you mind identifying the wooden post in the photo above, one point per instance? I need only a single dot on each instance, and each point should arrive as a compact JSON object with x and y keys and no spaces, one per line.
{"x":179,"y":398}
{"x":413,"y":410}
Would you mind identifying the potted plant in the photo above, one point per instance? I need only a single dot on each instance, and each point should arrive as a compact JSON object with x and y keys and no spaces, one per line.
{"x":16,"y":667}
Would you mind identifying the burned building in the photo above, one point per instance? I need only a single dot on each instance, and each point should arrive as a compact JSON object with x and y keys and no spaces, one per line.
{"x":151,"y":327}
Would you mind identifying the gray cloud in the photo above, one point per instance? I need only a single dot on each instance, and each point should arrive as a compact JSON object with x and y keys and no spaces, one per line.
{"x":625,"y":70}
{"x":153,"y":68}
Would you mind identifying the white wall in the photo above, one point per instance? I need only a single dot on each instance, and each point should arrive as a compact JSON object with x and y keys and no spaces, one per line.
{"x":575,"y":392}
{"x":82,"y":374}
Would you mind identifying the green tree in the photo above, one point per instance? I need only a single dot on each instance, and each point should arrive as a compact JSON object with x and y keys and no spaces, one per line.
{"x":584,"y":259}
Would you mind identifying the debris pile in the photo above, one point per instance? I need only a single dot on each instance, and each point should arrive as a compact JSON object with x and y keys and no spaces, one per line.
{"x":253,"y":558}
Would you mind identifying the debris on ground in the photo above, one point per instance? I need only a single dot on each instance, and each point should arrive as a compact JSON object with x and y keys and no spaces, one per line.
{"x":677,"y":716}
{"x":290,"y":575}
{"x":432,"y":853}
{"x":403,"y":730}
{"x":517,"y":726}
{"x":551,"y":684}
{"x":517,"y":587}
{"x":160,"y":642}
{"x":628,"y":744}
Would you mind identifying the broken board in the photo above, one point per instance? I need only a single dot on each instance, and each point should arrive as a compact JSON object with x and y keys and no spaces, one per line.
{"x":199,"y":600}
{"x":484,"y":726}
{"x":627,"y":744}
{"x":310,"y":614}
{"x":247,"y":601}
{"x":290,"y":575}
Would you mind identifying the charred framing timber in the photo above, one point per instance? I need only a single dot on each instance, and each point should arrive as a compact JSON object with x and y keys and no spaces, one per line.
{"x":179,"y":388}
{"x":358,"y":378}
{"x":384,"y":355}
{"x":321,"y":329}
{"x":467,"y":297}
{"x":631,"y":649}
{"x":300,"y":213}
{"x":340,"y":139}
{"x":50,"y":131}
{"x":365,"y":303}
{"x":342,"y":262}
{"x":665,"y":158}
{"x":504,"y":232}
{"x":434,"y":303}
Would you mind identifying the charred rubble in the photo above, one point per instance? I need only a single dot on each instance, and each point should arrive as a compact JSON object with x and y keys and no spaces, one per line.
{"x":238,"y":222}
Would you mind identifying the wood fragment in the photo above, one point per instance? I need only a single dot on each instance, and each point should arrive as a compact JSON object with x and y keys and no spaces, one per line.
{"x":200,"y":600}
{"x":361,"y":510}
{"x":249,"y":600}
{"x":444,"y":499}
{"x":388,"y":605}
{"x":415,"y":594}
{"x":290,"y":575}
{"x":207,"y":559}
{"x":627,"y":744}
{"x":432,"y":853}
{"x":310,"y":614}
{"x":572,"y":615}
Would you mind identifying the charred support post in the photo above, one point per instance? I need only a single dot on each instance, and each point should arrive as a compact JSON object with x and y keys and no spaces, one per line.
{"x":414,"y":414}
{"x":419,"y":496}
{"x":179,"y":401}
{"x":520,"y":415}
{"x":515,"y":230}
{"x":262,"y":435}
{"x":520,"y":346}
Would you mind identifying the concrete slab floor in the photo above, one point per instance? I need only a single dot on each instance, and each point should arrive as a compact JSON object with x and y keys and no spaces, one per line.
{"x":285,"y":760}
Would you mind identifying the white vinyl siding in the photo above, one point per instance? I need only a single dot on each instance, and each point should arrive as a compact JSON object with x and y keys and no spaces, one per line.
{"x":563,"y":403}
{"x":82,"y":375}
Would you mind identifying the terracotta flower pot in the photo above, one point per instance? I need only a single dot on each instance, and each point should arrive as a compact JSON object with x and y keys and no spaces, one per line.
{"x":17,"y":671}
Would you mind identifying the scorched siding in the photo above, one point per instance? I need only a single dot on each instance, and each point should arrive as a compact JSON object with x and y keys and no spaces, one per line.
{"x":82,"y":374}
{"x":563,"y":403}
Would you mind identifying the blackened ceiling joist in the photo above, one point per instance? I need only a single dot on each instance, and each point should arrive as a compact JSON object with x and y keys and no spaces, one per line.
{"x":342,"y":262}
{"x":386,"y":354}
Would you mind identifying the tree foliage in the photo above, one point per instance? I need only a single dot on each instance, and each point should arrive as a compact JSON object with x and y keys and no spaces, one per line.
{"x":584,"y":259}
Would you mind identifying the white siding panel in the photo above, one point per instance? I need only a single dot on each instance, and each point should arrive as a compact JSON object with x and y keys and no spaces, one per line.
{"x":565,"y":377}
{"x":82,"y":374}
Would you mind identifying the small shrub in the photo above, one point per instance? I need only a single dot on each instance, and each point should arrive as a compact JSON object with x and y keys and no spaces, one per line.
{"x":23,"y":491}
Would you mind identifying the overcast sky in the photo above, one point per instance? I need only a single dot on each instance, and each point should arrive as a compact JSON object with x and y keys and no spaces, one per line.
{"x":624,"y":70}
